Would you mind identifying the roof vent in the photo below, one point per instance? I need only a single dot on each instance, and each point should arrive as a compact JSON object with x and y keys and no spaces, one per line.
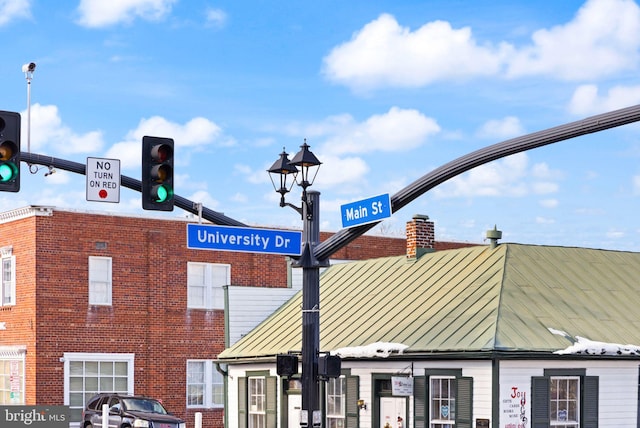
{"x":493,"y":236}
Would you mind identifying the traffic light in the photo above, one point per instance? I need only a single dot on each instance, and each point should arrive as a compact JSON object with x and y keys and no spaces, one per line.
{"x":9,"y":151}
{"x":286,"y":364}
{"x":157,"y":173}
{"x":329,"y":366}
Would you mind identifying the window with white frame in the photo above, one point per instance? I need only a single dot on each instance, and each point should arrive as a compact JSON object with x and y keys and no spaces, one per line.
{"x":100,"y":280}
{"x":8,"y":279}
{"x":564,"y":401}
{"x":442,"y":401}
{"x":87,"y":374}
{"x":205,"y":385}
{"x":11,"y":375}
{"x":257,"y":403}
{"x":336,"y":400}
{"x":204,"y":285}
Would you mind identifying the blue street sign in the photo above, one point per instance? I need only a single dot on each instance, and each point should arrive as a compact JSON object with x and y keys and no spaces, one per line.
{"x":365,"y":211}
{"x":244,"y":239}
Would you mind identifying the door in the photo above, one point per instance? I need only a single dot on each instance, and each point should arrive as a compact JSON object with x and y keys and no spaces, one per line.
{"x":393,"y":412}
{"x":294,"y":405}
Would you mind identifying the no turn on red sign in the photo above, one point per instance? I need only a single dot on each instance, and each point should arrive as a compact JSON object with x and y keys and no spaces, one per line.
{"x":103,"y":180}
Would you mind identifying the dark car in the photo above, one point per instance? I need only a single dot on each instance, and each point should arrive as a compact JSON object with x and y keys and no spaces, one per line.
{"x":129,"y":411}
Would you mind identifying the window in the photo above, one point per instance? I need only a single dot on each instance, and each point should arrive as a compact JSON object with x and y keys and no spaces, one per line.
{"x":205,"y":385}
{"x":11,"y":375}
{"x":443,"y":398}
{"x":565,"y":398}
{"x":88,"y":374}
{"x":204,"y":284}
{"x":99,"y":280}
{"x":8,"y":280}
{"x":564,"y":401}
{"x":442,"y":409}
{"x":257,"y":408}
{"x":257,"y":400}
{"x":336,"y":400}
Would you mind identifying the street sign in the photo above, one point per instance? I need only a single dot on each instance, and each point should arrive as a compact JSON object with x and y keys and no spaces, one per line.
{"x":366,"y":211}
{"x":243,"y":239}
{"x":103,"y":180}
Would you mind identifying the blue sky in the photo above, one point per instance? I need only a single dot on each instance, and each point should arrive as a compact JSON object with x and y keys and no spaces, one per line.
{"x":383,"y":91}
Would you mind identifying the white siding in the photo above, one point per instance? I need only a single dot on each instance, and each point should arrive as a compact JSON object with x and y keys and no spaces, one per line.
{"x":618,"y":387}
{"x":249,"y":306}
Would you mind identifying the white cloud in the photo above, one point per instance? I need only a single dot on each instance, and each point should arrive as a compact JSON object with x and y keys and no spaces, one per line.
{"x":206,"y":199}
{"x":336,"y":171}
{"x":196,"y":133}
{"x":100,"y":13}
{"x":216,"y":18}
{"x":396,"y":130}
{"x":51,"y":136}
{"x":509,"y":177}
{"x":14,"y":9}
{"x":587,"y":101}
{"x":599,"y":41}
{"x":385,"y":53}
{"x":544,"y":220}
{"x":549,"y":203}
{"x":636,"y":184}
{"x":507,"y":127}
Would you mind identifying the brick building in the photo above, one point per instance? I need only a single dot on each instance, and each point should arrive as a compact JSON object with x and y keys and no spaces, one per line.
{"x":104,"y":302}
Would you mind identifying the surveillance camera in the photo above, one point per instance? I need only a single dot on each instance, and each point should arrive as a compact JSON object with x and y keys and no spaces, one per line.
{"x":29,"y":68}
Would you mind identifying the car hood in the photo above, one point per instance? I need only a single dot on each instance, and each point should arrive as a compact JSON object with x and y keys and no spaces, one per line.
{"x":154,"y":416}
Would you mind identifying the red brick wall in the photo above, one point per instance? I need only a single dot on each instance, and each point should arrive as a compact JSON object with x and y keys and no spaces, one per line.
{"x":148,"y":315}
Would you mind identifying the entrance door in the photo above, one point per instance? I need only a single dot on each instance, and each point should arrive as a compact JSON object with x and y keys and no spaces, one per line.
{"x":393,"y":412}
{"x":294,"y":405}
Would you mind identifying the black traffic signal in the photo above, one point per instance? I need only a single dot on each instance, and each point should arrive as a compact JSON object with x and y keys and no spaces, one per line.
{"x":286,"y":364}
{"x":157,"y":173}
{"x":9,"y":151}
{"x":329,"y":366}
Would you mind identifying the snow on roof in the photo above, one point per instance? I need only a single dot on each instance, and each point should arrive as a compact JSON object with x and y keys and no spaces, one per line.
{"x":377,"y":349}
{"x":581,"y":345}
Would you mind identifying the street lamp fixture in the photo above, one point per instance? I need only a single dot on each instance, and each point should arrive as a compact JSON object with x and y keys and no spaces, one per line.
{"x":302,"y":169}
{"x":283,"y":169}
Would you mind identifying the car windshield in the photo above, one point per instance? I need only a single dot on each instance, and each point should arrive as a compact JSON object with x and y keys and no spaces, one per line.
{"x":143,"y":405}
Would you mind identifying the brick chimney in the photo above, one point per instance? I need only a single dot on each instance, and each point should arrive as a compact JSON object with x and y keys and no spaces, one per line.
{"x":420,"y":236}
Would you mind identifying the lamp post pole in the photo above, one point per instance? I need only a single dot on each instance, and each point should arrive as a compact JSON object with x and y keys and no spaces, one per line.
{"x":310,"y":306}
{"x":310,"y":213}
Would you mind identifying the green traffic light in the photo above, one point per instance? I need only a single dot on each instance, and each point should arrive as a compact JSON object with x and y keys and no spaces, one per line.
{"x":161,"y":193}
{"x":8,"y":171}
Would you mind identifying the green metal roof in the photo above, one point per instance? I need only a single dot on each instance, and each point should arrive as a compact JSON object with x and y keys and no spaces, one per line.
{"x":468,"y":299}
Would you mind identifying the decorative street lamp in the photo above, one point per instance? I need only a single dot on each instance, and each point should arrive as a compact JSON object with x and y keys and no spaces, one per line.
{"x":280,"y":172}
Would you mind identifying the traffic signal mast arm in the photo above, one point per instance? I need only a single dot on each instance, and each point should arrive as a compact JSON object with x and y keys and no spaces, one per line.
{"x":130,"y":183}
{"x":464,"y":163}
{"x":405,"y":196}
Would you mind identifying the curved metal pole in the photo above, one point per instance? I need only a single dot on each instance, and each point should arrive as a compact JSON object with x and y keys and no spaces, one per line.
{"x":131,"y":183}
{"x":479,"y":157}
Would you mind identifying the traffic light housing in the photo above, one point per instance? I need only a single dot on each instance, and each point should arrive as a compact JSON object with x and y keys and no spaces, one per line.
{"x":9,"y":151}
{"x":157,"y":173}
{"x":329,"y":366}
{"x":286,"y":364}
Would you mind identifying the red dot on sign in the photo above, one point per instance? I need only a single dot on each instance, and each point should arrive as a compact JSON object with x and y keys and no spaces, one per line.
{"x":102,"y":193}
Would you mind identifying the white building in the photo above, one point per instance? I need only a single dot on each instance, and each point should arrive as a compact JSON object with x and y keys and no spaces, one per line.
{"x":485,"y":336}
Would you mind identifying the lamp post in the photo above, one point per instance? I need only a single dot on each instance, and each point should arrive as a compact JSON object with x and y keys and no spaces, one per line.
{"x":280,"y":172}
